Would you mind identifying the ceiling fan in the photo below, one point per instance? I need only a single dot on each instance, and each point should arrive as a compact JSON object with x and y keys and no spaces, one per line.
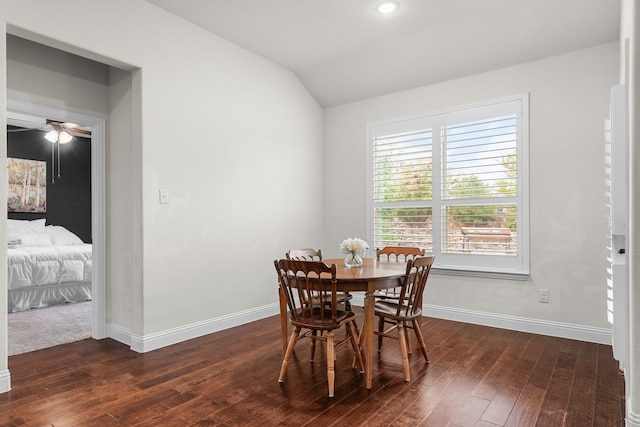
{"x":61,"y":132}
{"x":56,"y":132}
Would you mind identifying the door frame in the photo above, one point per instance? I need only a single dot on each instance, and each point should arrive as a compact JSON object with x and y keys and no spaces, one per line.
{"x":98,"y":200}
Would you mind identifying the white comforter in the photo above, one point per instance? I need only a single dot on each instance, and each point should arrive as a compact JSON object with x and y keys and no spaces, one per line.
{"x":45,"y":265}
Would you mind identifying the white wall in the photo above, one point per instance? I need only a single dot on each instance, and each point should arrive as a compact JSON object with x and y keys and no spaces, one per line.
{"x":569,"y":99}
{"x":233,"y":137}
{"x":124,"y":308}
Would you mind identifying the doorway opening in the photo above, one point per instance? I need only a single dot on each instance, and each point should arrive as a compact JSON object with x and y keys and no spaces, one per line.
{"x":92,"y":268}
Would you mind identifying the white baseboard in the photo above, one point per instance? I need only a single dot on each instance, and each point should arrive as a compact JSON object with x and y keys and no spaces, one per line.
{"x":522,"y":324}
{"x":633,"y":419}
{"x":5,"y":381}
{"x":119,"y":334}
{"x":143,"y":344}
{"x":146,"y":343}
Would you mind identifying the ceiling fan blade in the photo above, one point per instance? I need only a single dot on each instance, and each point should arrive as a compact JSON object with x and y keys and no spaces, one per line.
{"x":22,"y":129}
{"x":71,"y":127}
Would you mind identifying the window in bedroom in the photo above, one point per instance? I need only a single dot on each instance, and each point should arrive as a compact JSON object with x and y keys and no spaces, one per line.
{"x":454,"y":183}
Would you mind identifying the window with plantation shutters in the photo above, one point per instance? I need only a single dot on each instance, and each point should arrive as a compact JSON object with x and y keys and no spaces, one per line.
{"x":455,"y":184}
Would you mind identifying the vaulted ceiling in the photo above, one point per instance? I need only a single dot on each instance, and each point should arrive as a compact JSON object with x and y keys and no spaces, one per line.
{"x":344,"y":51}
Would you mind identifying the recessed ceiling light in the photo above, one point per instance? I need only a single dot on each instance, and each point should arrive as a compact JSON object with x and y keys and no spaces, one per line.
{"x":387,"y":7}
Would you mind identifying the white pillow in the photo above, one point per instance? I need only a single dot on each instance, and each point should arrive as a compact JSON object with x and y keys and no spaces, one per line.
{"x":21,"y":227}
{"x":62,"y":236}
{"x":34,"y":240}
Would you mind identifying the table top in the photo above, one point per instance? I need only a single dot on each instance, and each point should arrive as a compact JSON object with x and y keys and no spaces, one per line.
{"x":371,"y":268}
{"x":376,"y":274}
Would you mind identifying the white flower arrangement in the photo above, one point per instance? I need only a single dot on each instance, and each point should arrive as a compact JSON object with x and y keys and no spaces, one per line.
{"x":354,"y":245}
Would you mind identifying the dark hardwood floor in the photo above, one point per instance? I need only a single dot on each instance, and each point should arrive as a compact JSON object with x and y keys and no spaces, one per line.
{"x":478,"y":376}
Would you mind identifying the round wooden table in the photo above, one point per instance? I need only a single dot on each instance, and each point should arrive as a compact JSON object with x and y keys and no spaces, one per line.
{"x":372,"y":276}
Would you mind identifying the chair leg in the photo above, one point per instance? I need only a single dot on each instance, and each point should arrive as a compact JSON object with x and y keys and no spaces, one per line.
{"x":380,"y":329}
{"x":421,"y":344}
{"x":355,"y":327}
{"x":357,"y":356}
{"x":288,"y":353}
{"x":361,"y":336}
{"x":312,"y":345}
{"x":331,"y":373}
{"x":360,"y":344}
{"x":403,"y":351}
{"x":347,"y":307}
{"x":347,"y":304}
{"x":407,"y":336}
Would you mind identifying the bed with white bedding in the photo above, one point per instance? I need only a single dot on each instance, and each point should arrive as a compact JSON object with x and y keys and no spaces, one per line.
{"x":46,"y":266}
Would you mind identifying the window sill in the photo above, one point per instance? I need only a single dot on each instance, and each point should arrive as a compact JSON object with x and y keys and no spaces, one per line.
{"x":482,"y":274}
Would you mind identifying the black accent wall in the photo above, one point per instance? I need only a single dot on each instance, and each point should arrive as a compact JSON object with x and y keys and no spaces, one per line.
{"x":69,"y":199}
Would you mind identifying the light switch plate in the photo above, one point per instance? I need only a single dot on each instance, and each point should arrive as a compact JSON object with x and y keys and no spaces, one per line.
{"x":164,"y":197}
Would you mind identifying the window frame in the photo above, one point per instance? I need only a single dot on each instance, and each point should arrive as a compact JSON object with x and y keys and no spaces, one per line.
{"x":516,"y":267}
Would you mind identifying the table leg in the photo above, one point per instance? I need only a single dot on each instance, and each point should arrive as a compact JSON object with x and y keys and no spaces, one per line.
{"x":369,"y":312}
{"x":283,"y":320}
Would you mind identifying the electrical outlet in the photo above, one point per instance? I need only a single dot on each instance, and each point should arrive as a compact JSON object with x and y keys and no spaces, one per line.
{"x":543,"y":295}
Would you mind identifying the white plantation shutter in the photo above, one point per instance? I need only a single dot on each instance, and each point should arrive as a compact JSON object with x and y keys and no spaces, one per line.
{"x":402,"y":189}
{"x":477,"y":150}
{"x":479,"y":174}
{"x":616,"y":193}
{"x":454,"y":183}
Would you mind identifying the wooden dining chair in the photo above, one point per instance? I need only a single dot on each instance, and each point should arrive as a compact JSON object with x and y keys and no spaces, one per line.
{"x":404,"y":313}
{"x":400,"y":254}
{"x":315,"y":308}
{"x":397,"y":253}
{"x":308,"y":254}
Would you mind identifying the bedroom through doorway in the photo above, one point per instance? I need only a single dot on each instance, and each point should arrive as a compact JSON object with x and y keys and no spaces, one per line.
{"x":49,"y":233}
{"x":55,"y":280}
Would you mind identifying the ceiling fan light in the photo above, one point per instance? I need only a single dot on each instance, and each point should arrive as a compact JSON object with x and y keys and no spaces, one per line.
{"x":65,"y":137}
{"x":387,"y":7}
{"x":52,"y":136}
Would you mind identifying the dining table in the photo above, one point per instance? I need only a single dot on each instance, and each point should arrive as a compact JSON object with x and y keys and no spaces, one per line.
{"x":372,"y":276}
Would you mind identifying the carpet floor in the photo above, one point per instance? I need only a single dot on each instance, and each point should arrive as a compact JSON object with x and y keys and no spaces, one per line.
{"x":39,"y":328}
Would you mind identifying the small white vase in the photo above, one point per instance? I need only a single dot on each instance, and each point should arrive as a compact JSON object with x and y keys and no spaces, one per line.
{"x":353,"y":260}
